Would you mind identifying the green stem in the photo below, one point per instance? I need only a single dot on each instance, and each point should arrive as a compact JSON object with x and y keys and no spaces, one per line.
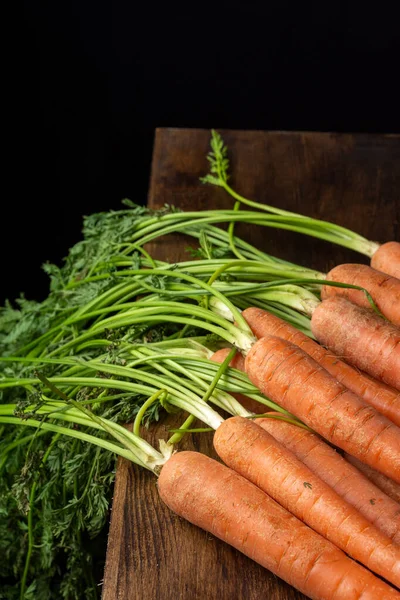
{"x":154,"y":312}
{"x":220,"y":398}
{"x":195,"y":430}
{"x":30,"y":520}
{"x":231,"y":237}
{"x":292,"y":421}
{"x":146,"y":254}
{"x":80,"y":435}
{"x":138,"y":420}
{"x":305,"y":225}
{"x":342,"y":233}
{"x":145,"y":454}
{"x":221,"y":370}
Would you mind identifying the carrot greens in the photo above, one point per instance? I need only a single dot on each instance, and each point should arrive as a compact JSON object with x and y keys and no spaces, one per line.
{"x":219,"y":175}
{"x":115,"y":358}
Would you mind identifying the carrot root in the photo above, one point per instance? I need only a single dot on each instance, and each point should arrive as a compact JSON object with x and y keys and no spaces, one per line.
{"x":300,"y":385}
{"x":379,"y":395}
{"x":363,"y":338}
{"x":387,"y":259}
{"x":219,"y":500}
{"x":339,"y":474}
{"x":256,"y":455}
{"x":384,"y":289}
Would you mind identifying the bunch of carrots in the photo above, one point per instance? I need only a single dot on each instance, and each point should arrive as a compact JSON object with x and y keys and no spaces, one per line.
{"x":309,"y":489}
{"x":297,"y":469}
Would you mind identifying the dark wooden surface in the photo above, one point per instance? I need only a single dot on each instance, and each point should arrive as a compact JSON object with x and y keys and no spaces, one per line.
{"x":353,"y":180}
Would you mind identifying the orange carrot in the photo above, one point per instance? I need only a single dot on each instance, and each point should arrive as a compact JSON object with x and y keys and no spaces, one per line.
{"x":387,"y":259}
{"x":385,"y":484}
{"x":259,"y":457}
{"x":382,"y":397}
{"x":300,"y":385}
{"x":384,"y":289}
{"x":331,"y":467}
{"x":377,"y":506}
{"x":238,"y":363}
{"x":359,"y":335}
{"x":219,"y":500}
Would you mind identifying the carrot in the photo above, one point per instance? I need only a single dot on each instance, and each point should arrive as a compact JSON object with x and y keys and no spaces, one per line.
{"x":219,"y":500}
{"x":387,"y":259}
{"x":259,"y":457}
{"x":293,"y":379}
{"x":238,"y":363}
{"x":346,"y":480}
{"x":385,"y":399}
{"x":385,"y":484}
{"x":359,"y":335}
{"x":384,"y":289}
{"x":378,"y":507}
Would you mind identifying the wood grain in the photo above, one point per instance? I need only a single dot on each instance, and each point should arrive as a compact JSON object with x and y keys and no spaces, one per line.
{"x":352,"y":180}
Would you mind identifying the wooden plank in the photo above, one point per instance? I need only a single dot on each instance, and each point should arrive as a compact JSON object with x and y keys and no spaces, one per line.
{"x":353,"y":180}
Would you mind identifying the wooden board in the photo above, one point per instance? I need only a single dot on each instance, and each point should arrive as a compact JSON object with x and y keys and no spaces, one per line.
{"x":353,"y":180}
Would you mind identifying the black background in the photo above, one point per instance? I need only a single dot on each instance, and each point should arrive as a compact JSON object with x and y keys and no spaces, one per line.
{"x":91,"y":81}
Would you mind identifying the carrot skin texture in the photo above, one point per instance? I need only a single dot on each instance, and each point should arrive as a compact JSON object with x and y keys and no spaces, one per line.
{"x":384,"y":289}
{"x":294,"y":380}
{"x":238,"y":363}
{"x":256,"y":455}
{"x":382,"y":397}
{"x":339,"y":474}
{"x":219,"y":500}
{"x":387,"y":259}
{"x":391,"y":488}
{"x":359,"y":491}
{"x":363,"y":338}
